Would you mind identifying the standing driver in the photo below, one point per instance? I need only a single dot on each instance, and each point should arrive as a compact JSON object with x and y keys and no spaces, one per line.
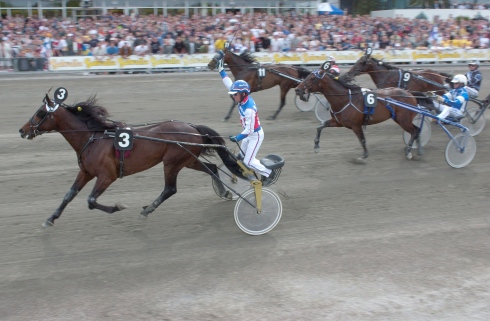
{"x":252,"y":136}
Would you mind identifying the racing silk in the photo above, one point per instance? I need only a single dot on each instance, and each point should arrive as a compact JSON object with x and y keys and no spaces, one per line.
{"x":226,"y":80}
{"x":249,"y":117}
{"x":456,"y":98}
{"x":474,"y":79}
{"x":248,"y":111}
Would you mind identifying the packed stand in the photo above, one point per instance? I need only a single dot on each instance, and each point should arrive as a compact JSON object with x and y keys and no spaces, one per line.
{"x":126,"y":35}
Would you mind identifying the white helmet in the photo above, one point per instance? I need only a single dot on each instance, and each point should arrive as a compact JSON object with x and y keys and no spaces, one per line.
{"x":474,"y":62}
{"x":460,"y":79}
{"x":331,"y":58}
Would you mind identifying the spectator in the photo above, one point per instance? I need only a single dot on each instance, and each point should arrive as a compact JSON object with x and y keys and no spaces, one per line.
{"x":100,"y":51}
{"x":126,"y":50}
{"x":5,"y":54}
{"x":112,"y":49}
{"x":179,"y":46}
{"x":168,"y":44}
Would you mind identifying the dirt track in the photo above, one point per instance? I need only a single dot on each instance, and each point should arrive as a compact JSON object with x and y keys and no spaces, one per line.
{"x":389,"y":240}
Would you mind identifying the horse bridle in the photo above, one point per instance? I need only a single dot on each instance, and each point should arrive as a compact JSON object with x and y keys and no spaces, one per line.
{"x":318,"y":77}
{"x":43,"y":113}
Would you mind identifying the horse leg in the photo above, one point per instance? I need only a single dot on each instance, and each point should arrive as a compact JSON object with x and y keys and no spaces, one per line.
{"x":171,"y":172}
{"x":229,"y":112}
{"x":328,"y":123}
{"x":415,"y":136}
{"x":100,"y":186}
{"x":360,"y":135}
{"x":281,"y":104}
{"x":82,"y":179}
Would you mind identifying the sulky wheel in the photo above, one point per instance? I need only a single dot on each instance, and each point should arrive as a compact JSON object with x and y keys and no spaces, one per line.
{"x":238,"y":184}
{"x":474,"y":119}
{"x":322,"y":110}
{"x":424,"y":134}
{"x":253,"y":223}
{"x":457,"y":158}
{"x":305,"y":105}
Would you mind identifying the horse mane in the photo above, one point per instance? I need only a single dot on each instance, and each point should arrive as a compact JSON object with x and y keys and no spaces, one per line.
{"x":93,"y":115}
{"x":248,"y":57}
{"x":386,"y":65}
{"x":302,"y":72}
{"x":346,"y":80}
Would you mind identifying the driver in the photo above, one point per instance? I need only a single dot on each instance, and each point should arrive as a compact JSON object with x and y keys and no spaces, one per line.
{"x":453,"y":103}
{"x":475,"y":78}
{"x":252,"y":135}
{"x":334,"y":69}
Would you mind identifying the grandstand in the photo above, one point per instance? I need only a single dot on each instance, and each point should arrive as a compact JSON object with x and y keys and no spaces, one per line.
{"x":77,"y":8}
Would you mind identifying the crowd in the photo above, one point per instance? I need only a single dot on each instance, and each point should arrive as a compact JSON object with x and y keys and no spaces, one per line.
{"x":127,"y":35}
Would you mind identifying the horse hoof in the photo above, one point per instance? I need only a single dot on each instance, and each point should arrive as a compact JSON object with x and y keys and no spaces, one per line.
{"x":409,"y":156}
{"x":271,"y":118}
{"x":359,"y":160}
{"x":228,"y":195}
{"x":120,"y":206}
{"x":225,"y":119}
{"x":316,"y":149}
{"x":47,"y":224}
{"x":143,"y":216}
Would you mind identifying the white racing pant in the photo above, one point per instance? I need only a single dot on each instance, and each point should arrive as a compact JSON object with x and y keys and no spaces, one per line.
{"x":472,"y":92}
{"x":250,"y":146}
{"x":446,"y":111}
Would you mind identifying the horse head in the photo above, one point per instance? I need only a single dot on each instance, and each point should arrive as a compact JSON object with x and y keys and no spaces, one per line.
{"x":310,"y":85}
{"x":214,"y":61}
{"x":42,"y":120}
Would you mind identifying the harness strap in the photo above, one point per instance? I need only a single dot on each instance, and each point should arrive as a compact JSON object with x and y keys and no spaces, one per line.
{"x":90,"y":140}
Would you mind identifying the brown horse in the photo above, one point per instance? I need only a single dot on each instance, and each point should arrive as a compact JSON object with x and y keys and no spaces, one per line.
{"x":260,"y":77}
{"x":385,"y":75}
{"x":348,"y":103}
{"x":85,"y":126}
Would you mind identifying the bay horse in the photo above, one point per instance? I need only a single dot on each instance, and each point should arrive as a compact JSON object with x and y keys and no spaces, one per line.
{"x":260,"y":77}
{"x":85,"y":125}
{"x":348,"y":102}
{"x":385,"y":75}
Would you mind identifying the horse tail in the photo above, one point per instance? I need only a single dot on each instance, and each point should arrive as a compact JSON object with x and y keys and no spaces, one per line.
{"x":303,"y":72}
{"x":210,"y":136}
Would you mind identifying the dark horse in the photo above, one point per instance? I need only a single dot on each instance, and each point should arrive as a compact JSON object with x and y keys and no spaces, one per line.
{"x":85,"y":126}
{"x":385,"y":75}
{"x":347,"y":103}
{"x":246,"y":67}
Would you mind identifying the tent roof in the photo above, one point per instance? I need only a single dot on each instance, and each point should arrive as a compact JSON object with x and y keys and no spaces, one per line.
{"x":327,"y":8}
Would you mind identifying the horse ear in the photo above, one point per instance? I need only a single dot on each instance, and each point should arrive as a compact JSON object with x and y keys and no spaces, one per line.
{"x":50,"y":103}
{"x":368,"y":52}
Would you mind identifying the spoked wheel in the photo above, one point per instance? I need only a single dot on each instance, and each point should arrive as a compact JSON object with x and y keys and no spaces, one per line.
{"x":238,"y":184}
{"x":253,"y":223}
{"x":457,"y":158}
{"x":322,"y":109}
{"x":473,"y":120}
{"x":305,"y":105}
{"x":424,"y":134}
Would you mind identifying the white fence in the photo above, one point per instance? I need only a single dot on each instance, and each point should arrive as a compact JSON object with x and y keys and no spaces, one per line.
{"x":151,"y":63}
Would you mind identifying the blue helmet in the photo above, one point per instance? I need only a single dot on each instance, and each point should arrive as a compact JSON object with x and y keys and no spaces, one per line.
{"x":239,"y":86}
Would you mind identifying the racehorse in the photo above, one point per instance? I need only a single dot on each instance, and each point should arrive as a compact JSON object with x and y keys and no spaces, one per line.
{"x":260,"y":77}
{"x":348,"y":103}
{"x":385,"y":75}
{"x":85,"y":126}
